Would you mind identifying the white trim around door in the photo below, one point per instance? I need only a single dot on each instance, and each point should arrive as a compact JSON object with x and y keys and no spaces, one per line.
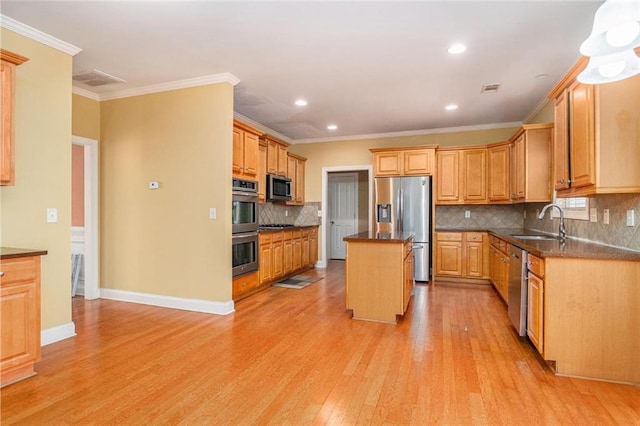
{"x":322,"y":263}
{"x":91,"y":226}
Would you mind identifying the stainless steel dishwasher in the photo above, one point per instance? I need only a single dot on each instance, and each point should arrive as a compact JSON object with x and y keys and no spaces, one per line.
{"x":518,"y":289}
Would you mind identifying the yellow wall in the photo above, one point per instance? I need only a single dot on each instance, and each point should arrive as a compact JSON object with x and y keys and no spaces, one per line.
{"x":86,"y":117}
{"x":545,"y":115}
{"x":43,"y":170}
{"x":162,"y":241}
{"x":356,"y":153}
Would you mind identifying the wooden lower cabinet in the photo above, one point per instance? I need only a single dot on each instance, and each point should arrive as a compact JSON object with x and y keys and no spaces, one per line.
{"x":20,"y":314}
{"x":409,"y":268}
{"x":535,"y":316}
{"x":282,"y":253}
{"x":499,"y":266}
{"x":462,"y":255}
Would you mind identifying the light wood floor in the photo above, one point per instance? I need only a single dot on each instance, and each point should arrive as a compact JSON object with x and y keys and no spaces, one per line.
{"x":295,"y":357}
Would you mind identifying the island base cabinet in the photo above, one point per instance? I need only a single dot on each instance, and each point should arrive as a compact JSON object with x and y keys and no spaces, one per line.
{"x":20,"y":315}
{"x":377,"y":288}
{"x":591,"y":318}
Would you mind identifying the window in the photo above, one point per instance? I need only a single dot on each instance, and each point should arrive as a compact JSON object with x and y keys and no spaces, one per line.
{"x":574,"y":208}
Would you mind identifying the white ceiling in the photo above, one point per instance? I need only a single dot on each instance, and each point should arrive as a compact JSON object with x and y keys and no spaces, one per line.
{"x":368,"y":67}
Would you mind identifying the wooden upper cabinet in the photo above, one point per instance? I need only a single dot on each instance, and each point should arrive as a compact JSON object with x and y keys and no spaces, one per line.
{"x":245,"y":151}
{"x":262,"y":171}
{"x":596,"y":147}
{"x":498,"y":168}
{"x":406,"y":161}
{"x":530,"y":163}
{"x":474,"y":172}
{"x":295,"y":172}
{"x":581,"y":124}
{"x":461,"y":176}
{"x":276,"y":155}
{"x":8,"y":63}
{"x":561,"y":175}
{"x":448,"y":176}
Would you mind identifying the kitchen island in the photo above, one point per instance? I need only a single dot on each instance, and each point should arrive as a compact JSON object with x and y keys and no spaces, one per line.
{"x":379,"y":275}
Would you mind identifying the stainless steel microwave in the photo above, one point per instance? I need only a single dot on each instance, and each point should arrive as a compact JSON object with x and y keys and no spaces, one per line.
{"x":278,"y":188}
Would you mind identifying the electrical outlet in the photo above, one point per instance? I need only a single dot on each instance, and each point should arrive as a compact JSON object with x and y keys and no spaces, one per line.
{"x":319,"y":213}
{"x":605,"y":216}
{"x":213,"y":213}
{"x":631,"y":218}
{"x":286,"y":212}
{"x":467,"y":214}
{"x":593,"y":214}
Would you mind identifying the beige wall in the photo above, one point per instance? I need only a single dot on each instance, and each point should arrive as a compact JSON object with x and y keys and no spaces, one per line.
{"x":162,"y":241}
{"x":43,"y":170}
{"x":86,"y":117}
{"x":355,"y":153}
{"x":545,"y":115}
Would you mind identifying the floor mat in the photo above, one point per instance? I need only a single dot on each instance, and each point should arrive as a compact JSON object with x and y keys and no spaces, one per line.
{"x":297,"y":282}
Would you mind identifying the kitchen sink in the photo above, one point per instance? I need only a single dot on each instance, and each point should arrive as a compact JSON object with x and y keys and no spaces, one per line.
{"x":534,"y":237}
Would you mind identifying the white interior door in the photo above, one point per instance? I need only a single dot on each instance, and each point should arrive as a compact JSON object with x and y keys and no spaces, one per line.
{"x":343,"y":211}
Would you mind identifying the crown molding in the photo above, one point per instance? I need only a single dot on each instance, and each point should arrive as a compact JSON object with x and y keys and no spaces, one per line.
{"x":262,"y":127}
{"x":37,"y":35}
{"x":411,"y":133}
{"x":85,"y":93}
{"x":173,"y":85}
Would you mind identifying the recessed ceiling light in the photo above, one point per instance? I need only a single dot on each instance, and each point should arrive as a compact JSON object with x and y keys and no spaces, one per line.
{"x":301,"y":102}
{"x":332,"y":127}
{"x":451,"y":107}
{"x":456,"y":48}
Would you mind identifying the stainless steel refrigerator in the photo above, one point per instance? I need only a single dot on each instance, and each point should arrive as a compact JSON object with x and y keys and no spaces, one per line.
{"x":404,"y":204}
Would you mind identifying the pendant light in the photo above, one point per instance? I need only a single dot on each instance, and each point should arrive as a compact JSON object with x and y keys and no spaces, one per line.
{"x":615,"y":35}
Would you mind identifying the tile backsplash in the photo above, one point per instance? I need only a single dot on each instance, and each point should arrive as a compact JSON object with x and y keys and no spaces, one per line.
{"x":292,"y":215}
{"x":481,"y":217}
{"x":616,"y":233}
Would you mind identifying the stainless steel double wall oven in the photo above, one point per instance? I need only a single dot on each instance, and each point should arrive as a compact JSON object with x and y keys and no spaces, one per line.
{"x":245,"y":226}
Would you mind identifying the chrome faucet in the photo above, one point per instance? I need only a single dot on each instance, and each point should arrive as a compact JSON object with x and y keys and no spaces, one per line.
{"x":562,"y":231}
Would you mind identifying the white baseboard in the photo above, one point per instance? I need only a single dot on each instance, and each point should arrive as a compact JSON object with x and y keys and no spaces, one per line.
{"x":321,"y":264}
{"x":55,"y":334}
{"x":195,"y":305}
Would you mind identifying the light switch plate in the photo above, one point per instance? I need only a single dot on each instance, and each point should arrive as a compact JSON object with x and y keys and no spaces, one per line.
{"x":52,"y":215}
{"x":605,"y":216}
{"x":593,"y":214}
{"x":467,"y":214}
{"x":319,"y":213}
{"x":213,"y":213}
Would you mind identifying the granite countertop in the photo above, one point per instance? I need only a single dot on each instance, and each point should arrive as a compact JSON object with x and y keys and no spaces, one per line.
{"x":285,"y":228}
{"x":12,"y":252}
{"x":382,"y":237}
{"x":571,"y":248}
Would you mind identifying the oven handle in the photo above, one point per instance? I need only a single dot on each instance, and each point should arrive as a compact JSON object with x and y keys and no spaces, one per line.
{"x":244,"y":236}
{"x":245,"y":196}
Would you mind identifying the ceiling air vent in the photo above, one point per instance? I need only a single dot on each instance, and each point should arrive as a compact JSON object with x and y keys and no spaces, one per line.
{"x":96,"y":78}
{"x":490,"y":88}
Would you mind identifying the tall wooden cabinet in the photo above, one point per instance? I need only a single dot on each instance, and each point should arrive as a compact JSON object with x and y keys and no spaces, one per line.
{"x":245,"y":151}
{"x":530,"y":163}
{"x":596,"y":148}
{"x":20,"y":315}
{"x":295,"y":171}
{"x":498,"y":173}
{"x":8,"y":63}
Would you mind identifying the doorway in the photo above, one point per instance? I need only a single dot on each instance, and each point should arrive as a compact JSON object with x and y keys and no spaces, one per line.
{"x":347,"y":194}
{"x":84,"y":238}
